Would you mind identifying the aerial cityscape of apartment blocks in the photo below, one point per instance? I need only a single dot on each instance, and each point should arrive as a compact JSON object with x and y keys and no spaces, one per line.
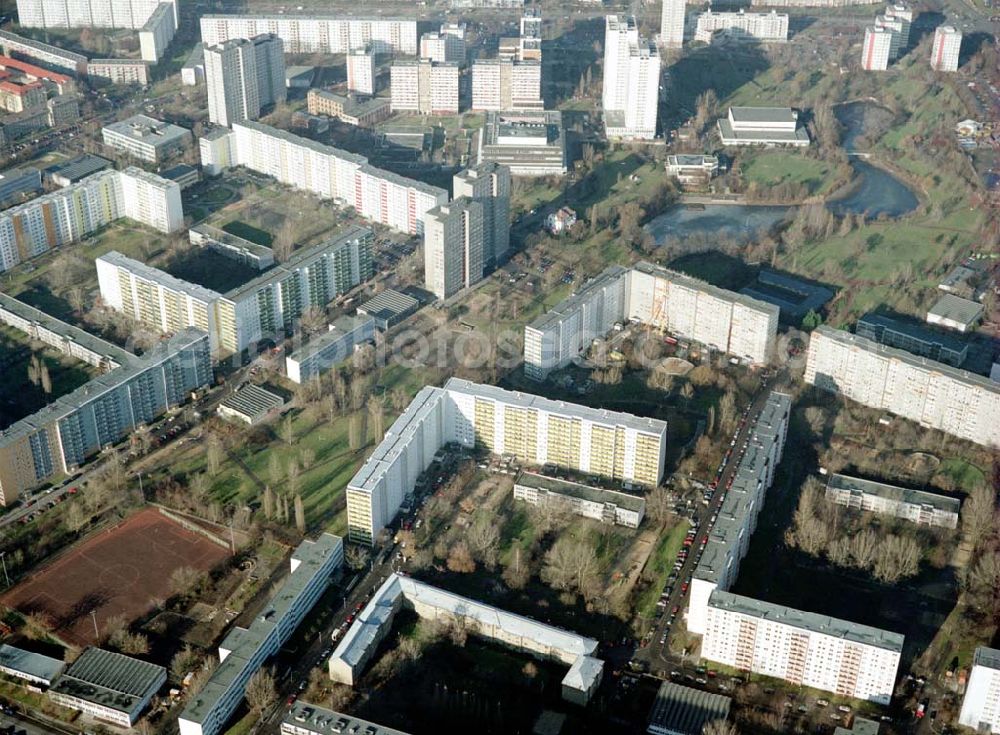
{"x":59,"y":437}
{"x":803,"y":648}
{"x":244,"y":650}
{"x":981,"y":705}
{"x":424,"y":86}
{"x":261,"y":308}
{"x":916,"y":506}
{"x":931,"y":393}
{"x":537,"y":430}
{"x":131,"y":14}
{"x":631,"y":91}
{"x":729,"y":538}
{"x":310,"y":34}
{"x":489,"y":184}
{"x":69,"y":214}
{"x":453,"y":247}
{"x":723,"y":320}
{"x":244,"y":76}
{"x":331,"y":173}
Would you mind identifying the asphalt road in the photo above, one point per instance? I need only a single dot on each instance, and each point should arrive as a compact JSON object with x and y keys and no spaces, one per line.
{"x":657,"y":655}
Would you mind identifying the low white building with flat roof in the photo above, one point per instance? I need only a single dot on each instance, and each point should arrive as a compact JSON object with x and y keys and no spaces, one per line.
{"x":917,"y":506}
{"x":250,"y":404}
{"x":33,"y":668}
{"x":324,"y":351}
{"x":600,"y":504}
{"x":767,"y":126}
{"x":374,"y":623}
{"x":528,"y":143}
{"x":956,"y":313}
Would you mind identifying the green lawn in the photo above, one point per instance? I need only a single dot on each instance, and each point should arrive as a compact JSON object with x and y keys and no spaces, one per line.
{"x":772,"y":168}
{"x":966,"y":475}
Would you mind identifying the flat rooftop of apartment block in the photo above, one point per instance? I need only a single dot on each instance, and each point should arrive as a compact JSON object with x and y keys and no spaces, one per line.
{"x":809,"y":621}
{"x":794,"y":296}
{"x":155,"y":275}
{"x":328,"y":722}
{"x":581,"y":491}
{"x":893,"y":492}
{"x":892,"y":353}
{"x":771,"y":115}
{"x":574,"y":410}
{"x":699,"y":285}
{"x":988,"y":657}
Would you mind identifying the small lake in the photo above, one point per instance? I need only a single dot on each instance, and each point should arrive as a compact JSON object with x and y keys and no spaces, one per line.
{"x":730,"y":220}
{"x":876,"y":192}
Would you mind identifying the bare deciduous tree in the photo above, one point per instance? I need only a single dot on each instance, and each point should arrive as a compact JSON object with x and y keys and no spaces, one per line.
{"x":460,"y":560}
{"x":261,"y":692}
{"x":658,"y":505}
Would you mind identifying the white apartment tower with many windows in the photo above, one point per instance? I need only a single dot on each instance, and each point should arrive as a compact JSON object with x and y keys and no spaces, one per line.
{"x":507,"y":85}
{"x":876,"y":49}
{"x":631,"y":81}
{"x":361,"y":70}
{"x":981,"y":705}
{"x":672,"y":23}
{"x":489,"y":184}
{"x":243,"y":77}
{"x":945,"y":48}
{"x":453,"y":247}
{"x":446,"y":45}
{"x":426,"y":87}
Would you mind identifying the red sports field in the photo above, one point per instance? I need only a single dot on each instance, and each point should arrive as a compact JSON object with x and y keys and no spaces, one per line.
{"x":120,"y":571}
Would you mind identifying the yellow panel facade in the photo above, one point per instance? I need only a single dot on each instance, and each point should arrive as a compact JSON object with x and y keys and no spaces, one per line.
{"x":564,"y":442}
{"x":485,"y":426}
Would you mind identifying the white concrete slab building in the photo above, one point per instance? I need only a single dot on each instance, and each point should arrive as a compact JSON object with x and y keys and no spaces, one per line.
{"x":316,"y":33}
{"x":766,"y":126}
{"x":609,"y":444}
{"x":917,"y":506}
{"x":945,"y":48}
{"x":331,"y":173}
{"x":361,"y":70}
{"x":330,"y":348}
{"x":145,"y":138}
{"x":489,"y":184}
{"x":631,"y":91}
{"x":933,"y":394}
{"x":244,"y":650}
{"x":737,"y":517}
{"x":804,"y":648}
{"x":244,"y":76}
{"x":374,"y":622}
{"x":425,"y":87}
{"x":505,"y":85}
{"x":981,"y":704}
{"x":742,"y":26}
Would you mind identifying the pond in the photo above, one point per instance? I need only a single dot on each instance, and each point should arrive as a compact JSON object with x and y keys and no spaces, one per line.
{"x":730,"y":220}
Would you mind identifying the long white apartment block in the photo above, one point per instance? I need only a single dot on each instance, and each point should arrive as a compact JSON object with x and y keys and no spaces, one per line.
{"x":157,"y":32}
{"x":244,"y":650}
{"x":153,"y":297}
{"x":933,"y":394}
{"x":737,"y":518}
{"x":453,"y":247}
{"x":981,"y":704}
{"x":916,"y":506}
{"x":672,"y":23}
{"x":507,"y":85}
{"x":130,"y":14}
{"x":609,"y":444}
{"x":70,"y":214}
{"x":330,"y":173}
{"x":803,"y":648}
{"x":945,"y":48}
{"x":631,"y":89}
{"x":723,"y":320}
{"x":360,"y":64}
{"x":264,"y":307}
{"x":876,"y":48}
{"x":320,"y":33}
{"x":489,"y":184}
{"x":742,"y":26}
{"x":426,"y":87}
